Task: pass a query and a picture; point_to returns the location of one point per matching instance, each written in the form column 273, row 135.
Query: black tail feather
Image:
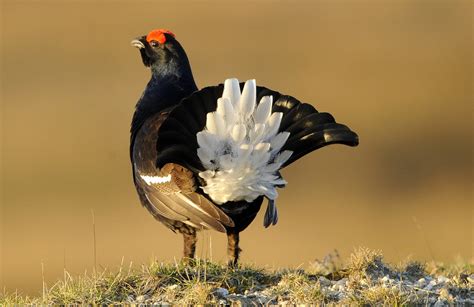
column 295, row 115
column 309, row 122
column 309, row 129
column 317, row 139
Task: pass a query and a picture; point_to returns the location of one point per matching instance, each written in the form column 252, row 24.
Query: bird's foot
column 233, row 249
column 186, row 261
column 233, row 264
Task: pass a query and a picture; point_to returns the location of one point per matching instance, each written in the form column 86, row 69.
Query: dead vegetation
column 364, row 279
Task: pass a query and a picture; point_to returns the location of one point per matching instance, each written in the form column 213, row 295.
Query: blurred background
column 399, row 73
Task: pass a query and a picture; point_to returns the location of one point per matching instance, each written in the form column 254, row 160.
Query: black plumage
column 164, row 146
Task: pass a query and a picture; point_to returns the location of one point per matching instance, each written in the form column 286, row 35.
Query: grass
column 363, row 280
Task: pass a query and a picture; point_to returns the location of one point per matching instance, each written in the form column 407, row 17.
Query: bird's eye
column 154, row 43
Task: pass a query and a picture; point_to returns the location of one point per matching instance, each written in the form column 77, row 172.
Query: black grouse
column 206, row 159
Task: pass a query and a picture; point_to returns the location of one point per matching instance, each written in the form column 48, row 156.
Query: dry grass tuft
column 295, row 287
column 366, row 263
column 382, row 296
column 364, row 280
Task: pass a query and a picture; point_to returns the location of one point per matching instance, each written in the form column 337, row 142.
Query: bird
column 206, row 159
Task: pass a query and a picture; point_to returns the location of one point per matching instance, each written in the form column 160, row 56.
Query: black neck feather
column 169, row 84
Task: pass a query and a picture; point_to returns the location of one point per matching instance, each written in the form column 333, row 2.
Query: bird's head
column 161, row 52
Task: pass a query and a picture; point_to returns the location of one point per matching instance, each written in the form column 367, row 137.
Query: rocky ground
column 364, row 279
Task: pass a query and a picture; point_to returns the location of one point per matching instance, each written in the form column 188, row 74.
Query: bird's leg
column 189, row 245
column 233, row 249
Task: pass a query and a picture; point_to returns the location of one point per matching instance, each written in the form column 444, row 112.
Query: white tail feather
column 232, row 90
column 264, row 110
column 278, row 141
column 248, row 99
column 240, row 146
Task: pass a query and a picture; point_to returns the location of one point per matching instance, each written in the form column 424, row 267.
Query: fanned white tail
column 240, row 146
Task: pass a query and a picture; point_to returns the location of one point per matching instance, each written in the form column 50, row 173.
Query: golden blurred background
column 397, row 72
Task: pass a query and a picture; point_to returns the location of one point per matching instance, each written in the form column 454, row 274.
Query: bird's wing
column 170, row 190
column 172, row 193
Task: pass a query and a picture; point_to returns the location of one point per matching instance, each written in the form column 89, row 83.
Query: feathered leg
column 189, row 245
column 233, row 249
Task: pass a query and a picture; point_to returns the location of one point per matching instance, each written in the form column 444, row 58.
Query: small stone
column 442, row 279
column 221, row 292
column 324, row 281
column 430, row 285
column 444, row 294
column 421, row 282
column 342, row 281
column 440, row 303
column 385, row 279
column 470, row 278
column 340, row 285
column 172, row 287
column 142, row 298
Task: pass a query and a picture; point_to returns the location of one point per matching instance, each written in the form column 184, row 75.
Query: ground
column 363, row 279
